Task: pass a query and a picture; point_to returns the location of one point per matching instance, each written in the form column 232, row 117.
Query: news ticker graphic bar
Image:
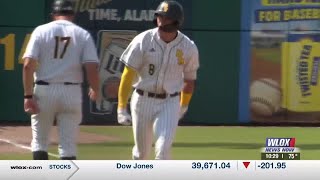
column 160, row 170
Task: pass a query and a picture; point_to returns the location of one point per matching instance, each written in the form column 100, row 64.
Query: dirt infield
column 21, row 135
column 261, row 68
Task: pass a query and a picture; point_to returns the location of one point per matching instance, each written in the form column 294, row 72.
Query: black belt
column 158, row 96
column 46, row 83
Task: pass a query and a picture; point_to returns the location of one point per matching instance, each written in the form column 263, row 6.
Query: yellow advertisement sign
column 300, row 73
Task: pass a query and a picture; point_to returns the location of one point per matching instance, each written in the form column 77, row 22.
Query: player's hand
column 93, row 95
column 183, row 110
column 124, row 117
column 31, row 106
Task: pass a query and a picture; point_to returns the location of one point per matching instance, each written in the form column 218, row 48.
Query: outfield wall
column 213, row 25
column 17, row 20
column 279, row 69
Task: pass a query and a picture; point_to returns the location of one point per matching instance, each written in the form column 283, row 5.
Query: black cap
column 172, row 10
column 63, row 7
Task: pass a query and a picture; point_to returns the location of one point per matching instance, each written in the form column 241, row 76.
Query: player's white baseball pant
column 153, row 116
column 63, row 103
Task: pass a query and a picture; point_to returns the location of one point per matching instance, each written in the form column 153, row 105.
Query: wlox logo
column 280, row 145
column 280, row 142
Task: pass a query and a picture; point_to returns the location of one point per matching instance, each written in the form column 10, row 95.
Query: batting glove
column 124, row 117
column 183, row 110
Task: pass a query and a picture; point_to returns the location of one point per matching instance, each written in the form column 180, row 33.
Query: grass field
column 203, row 143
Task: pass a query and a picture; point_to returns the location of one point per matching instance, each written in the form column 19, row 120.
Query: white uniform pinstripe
column 161, row 68
column 60, row 48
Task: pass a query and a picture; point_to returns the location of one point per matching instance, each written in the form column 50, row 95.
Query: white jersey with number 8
column 161, row 69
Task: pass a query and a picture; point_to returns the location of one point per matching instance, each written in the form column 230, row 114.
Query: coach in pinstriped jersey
column 161, row 64
column 55, row 54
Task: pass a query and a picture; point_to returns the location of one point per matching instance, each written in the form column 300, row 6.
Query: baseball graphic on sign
column 265, row 97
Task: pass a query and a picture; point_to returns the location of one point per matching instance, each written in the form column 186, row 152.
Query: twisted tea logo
column 302, row 70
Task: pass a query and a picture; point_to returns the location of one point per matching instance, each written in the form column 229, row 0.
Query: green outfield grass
column 216, row 143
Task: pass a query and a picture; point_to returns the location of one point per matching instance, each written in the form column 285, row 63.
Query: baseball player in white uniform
column 55, row 55
column 161, row 65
